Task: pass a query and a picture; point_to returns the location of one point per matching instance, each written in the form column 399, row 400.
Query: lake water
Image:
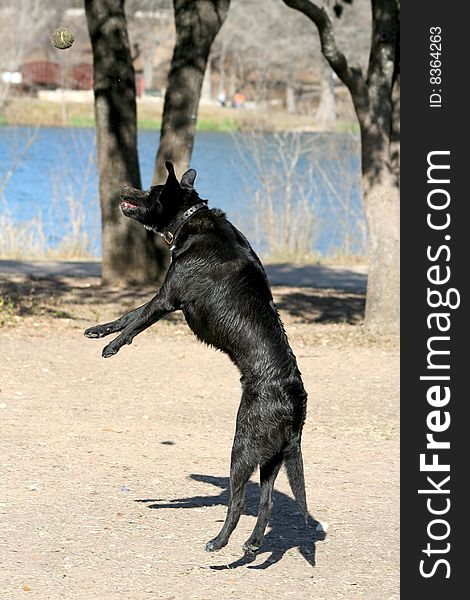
column 305, row 187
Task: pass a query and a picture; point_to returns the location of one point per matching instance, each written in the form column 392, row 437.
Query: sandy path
column 113, row 472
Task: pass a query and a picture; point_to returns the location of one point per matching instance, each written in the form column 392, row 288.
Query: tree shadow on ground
column 317, row 276
column 58, row 296
column 286, row 529
column 321, row 306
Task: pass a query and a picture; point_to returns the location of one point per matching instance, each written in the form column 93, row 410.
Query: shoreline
column 34, row 112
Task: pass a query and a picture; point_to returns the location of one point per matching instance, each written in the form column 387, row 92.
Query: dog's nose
column 129, row 192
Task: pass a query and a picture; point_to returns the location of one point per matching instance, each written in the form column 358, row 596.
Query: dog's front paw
column 113, row 347
column 96, row 332
column 110, row 350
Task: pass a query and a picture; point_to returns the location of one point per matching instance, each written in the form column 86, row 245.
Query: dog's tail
column 295, row 473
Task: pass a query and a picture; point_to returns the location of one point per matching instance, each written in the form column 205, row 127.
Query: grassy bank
column 32, row 112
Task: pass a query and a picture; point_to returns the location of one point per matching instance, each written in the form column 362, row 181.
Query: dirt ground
column 114, row 473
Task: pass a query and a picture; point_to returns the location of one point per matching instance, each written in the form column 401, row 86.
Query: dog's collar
column 169, row 232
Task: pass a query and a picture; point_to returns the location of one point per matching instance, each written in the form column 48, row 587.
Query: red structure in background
column 80, row 77
column 139, row 84
column 43, row 75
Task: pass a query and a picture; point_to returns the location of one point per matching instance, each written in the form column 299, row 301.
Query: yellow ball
column 62, row 38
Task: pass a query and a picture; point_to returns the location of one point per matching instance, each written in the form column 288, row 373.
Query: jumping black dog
column 219, row 283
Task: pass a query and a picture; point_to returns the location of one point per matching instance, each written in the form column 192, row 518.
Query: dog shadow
column 286, row 529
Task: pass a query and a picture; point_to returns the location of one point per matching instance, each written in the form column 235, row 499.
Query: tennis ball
column 62, row 38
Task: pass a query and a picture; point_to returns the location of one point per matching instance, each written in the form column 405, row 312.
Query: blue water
column 57, row 175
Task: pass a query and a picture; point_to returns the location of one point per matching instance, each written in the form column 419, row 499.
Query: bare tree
column 25, row 26
column 150, row 24
column 261, row 46
column 129, row 253
column 372, row 97
column 197, row 23
column 325, row 116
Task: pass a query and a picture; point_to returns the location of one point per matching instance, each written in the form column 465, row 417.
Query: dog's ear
column 187, row 181
column 171, row 179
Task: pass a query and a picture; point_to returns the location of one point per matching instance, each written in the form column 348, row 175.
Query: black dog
column 218, row 282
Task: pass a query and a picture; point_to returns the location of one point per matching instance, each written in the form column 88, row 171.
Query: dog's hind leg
column 242, row 466
column 295, row 473
column 268, row 474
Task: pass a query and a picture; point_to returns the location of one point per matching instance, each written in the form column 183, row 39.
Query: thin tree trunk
column 148, row 70
column 128, row 251
column 326, row 112
column 232, row 84
column 197, row 23
column 290, row 96
column 222, row 70
column 206, row 90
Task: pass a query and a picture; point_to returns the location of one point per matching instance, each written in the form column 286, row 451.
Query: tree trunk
column 206, row 90
column 372, row 98
column 379, row 137
column 290, row 97
column 325, row 116
column 222, row 70
column 233, row 79
column 148, row 70
column 382, row 209
column 129, row 254
column 381, row 201
column 197, row 23
column 381, row 204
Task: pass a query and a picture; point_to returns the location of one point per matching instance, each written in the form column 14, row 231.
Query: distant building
column 40, row 75
column 80, row 77
column 46, row 75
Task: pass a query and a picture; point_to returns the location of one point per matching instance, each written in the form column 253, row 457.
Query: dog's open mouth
column 126, row 205
column 131, row 199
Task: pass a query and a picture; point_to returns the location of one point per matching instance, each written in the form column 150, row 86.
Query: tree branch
column 351, row 76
